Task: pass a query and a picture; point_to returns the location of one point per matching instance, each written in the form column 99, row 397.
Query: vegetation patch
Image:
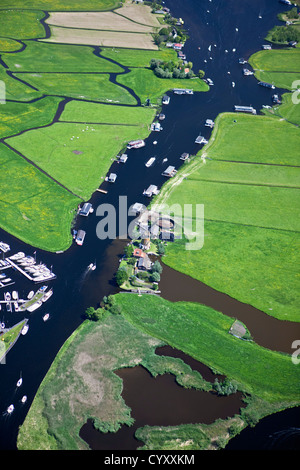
column 9, row 45
column 65, row 5
column 136, row 57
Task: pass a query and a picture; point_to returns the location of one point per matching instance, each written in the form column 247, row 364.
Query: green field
column 47, row 57
column 52, row 149
column 137, row 58
column 16, row 117
column 17, row 90
column 62, row 5
column 202, row 333
column 79, row 86
column 97, row 112
column 9, row 45
column 34, row 208
column 21, row 24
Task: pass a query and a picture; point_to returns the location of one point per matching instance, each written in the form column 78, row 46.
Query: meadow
column 21, row 24
column 94, row 87
column 137, row 58
column 52, row 149
column 46, row 57
column 24, row 190
column 62, row 5
column 17, row 117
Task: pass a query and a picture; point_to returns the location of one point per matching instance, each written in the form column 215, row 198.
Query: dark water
column 74, row 288
column 160, row 401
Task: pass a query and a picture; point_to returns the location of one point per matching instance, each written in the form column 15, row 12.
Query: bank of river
column 75, row 288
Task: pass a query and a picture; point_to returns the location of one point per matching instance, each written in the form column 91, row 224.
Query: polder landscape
column 160, row 322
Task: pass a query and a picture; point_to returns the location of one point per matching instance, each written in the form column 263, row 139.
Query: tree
column 161, row 249
column 94, row 315
column 156, row 267
column 128, row 251
column 201, row 73
column 155, row 277
column 121, row 276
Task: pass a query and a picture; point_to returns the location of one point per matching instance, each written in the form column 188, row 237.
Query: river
column 228, row 24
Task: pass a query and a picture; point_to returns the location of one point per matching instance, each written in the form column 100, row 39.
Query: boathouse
column 86, row 209
column 112, row 177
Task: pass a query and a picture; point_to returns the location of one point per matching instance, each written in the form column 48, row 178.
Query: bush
column 121, row 276
column 284, row 34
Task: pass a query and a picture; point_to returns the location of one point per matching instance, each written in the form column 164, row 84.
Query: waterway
column 226, row 25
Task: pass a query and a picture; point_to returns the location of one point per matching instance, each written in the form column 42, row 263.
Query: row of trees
column 284, row 34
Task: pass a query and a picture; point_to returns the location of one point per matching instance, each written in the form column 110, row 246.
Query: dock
column 101, row 191
column 42, row 278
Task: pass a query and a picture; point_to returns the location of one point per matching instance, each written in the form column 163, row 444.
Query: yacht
column 150, row 162
column 19, row 383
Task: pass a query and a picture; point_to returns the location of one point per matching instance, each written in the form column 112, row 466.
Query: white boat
column 19, row 383
column 24, row 330
column 92, row 266
column 35, row 306
column 10, row 409
column 233, row 84
column 8, row 279
column 7, row 296
column 14, row 295
column 16, row 305
column 46, row 317
column 150, row 162
column 47, row 295
column 135, row 144
column 24, row 399
column 30, row 295
column 2, row 325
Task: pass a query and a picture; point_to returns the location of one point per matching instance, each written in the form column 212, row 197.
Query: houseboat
column 111, row 178
column 182, row 91
column 201, row 140
column 242, row 61
column 245, row 109
column 266, row 85
column 276, row 99
column 80, row 237
column 135, row 144
column 151, row 191
column 155, row 126
column 123, row 158
column 86, row 209
column 247, row 72
column 209, row 123
column 184, row 156
column 169, row 172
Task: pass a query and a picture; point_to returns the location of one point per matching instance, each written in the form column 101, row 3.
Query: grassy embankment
column 9, row 337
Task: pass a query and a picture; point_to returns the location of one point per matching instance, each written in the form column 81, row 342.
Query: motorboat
column 150, row 162
column 7, row 296
column 24, row 330
column 15, row 295
column 20, row 381
column 46, row 317
column 30, row 295
column 24, row 399
column 10, row 409
column 47, row 295
column 16, row 305
column 35, row 306
column 92, row 266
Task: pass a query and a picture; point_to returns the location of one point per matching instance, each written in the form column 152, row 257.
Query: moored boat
column 24, row 330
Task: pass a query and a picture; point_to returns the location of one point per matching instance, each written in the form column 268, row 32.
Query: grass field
column 34, row 208
column 202, row 333
column 65, row 5
column 102, row 113
column 46, row 57
column 52, row 149
column 137, row 58
column 9, row 45
column 96, row 87
column 16, row 117
column 21, row 24
column 17, row 90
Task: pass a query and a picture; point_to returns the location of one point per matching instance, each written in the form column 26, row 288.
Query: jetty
column 39, row 272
